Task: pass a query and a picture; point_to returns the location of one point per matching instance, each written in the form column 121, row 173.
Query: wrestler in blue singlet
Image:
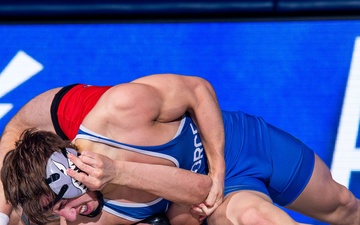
column 184, row 150
column 263, row 158
column 258, row 157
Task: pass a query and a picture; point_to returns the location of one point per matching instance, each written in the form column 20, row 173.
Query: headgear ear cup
column 60, row 183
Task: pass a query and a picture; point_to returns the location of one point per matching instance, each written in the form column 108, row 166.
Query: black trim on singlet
column 54, row 108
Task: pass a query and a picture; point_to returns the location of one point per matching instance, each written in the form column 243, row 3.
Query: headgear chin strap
column 98, row 209
column 59, row 181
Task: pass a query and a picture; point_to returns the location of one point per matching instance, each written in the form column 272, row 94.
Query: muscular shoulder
column 131, row 99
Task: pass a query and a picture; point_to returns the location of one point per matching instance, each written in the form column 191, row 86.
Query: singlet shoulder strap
column 54, row 109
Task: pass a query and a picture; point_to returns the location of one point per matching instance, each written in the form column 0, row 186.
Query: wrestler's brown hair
column 24, row 171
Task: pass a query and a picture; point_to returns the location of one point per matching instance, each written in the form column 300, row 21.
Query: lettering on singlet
column 198, row 151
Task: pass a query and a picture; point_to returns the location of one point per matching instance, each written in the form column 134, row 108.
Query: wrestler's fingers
column 212, row 203
column 201, row 218
column 200, row 209
column 89, row 157
column 207, row 211
column 92, row 183
column 79, row 176
column 215, row 195
column 196, row 209
column 85, row 162
column 93, row 159
column 79, row 162
column 85, row 166
column 211, row 199
column 89, row 154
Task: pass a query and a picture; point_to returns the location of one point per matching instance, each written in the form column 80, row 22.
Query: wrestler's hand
column 98, row 170
column 214, row 198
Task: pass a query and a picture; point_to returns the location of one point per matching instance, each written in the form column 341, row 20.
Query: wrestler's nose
column 68, row 213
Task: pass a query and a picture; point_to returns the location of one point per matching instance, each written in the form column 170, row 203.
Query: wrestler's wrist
column 217, row 172
column 4, row 219
column 120, row 175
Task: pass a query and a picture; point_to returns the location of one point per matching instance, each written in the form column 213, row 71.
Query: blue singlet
column 258, row 157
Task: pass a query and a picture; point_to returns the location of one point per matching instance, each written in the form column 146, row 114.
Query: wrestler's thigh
column 244, row 207
column 181, row 215
column 321, row 195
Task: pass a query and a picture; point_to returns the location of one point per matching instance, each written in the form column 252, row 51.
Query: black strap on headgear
column 98, row 210
column 58, row 197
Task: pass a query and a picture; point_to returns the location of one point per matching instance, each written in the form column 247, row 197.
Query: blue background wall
column 292, row 73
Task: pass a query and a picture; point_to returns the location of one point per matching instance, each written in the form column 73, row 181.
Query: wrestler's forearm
column 197, row 96
column 177, row 94
column 208, row 118
column 177, row 185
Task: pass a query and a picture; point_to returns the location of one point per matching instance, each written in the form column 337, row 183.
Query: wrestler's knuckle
column 100, row 164
column 98, row 174
column 97, row 184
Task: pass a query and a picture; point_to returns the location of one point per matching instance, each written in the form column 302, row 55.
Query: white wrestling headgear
column 59, row 181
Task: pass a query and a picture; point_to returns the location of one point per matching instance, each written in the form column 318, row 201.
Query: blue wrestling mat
column 302, row 76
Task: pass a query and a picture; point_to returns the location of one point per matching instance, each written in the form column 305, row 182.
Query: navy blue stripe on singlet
column 136, row 211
